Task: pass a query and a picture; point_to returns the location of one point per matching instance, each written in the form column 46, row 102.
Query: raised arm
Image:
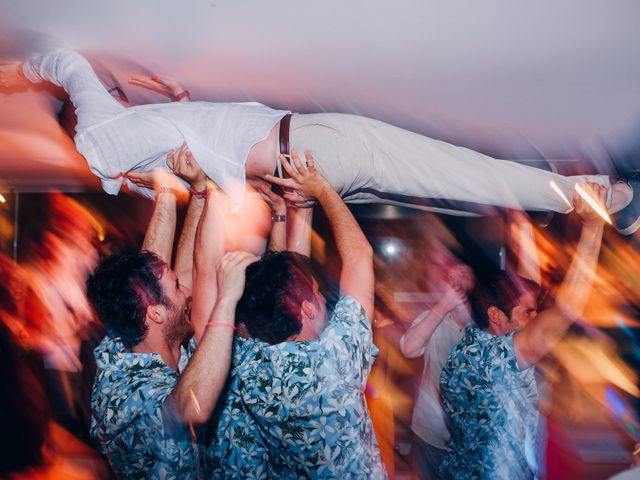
column 278, row 207
column 413, row 341
column 209, row 250
column 299, row 229
column 185, row 166
column 356, row 254
column 199, row 386
column 162, row 226
column 541, row 335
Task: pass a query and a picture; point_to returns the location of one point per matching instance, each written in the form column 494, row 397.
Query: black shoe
column 627, row 220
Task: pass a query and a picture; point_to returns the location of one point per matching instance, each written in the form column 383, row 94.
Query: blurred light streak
column 592, row 203
column 556, row 189
column 196, row 405
column 2, row 199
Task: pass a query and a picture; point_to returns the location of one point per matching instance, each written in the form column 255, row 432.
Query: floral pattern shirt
column 298, row 409
column 132, row 420
column 493, row 410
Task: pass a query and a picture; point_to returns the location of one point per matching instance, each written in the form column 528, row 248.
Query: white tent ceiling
column 514, row 79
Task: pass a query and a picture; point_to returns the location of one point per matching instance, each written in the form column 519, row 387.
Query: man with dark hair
column 488, row 387
column 280, row 283
column 152, row 384
column 296, row 405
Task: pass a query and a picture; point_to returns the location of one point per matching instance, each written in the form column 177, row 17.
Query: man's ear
column 155, row 313
column 308, row 309
column 495, row 315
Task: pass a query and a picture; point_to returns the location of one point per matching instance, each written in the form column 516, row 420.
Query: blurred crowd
column 588, row 386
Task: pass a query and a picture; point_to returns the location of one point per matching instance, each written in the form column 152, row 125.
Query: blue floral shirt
column 131, row 421
column 298, row 409
column 493, row 410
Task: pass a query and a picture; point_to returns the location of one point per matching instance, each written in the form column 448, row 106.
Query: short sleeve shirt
column 493, row 410
column 132, row 420
column 306, row 403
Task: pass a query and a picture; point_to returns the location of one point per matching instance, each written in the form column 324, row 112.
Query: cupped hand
column 155, row 180
column 182, row 163
column 231, row 274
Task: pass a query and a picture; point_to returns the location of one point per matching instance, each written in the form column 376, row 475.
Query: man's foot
column 627, row 220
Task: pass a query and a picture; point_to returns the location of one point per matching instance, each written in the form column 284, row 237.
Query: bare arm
column 199, row 386
column 278, row 235
column 356, row 277
column 299, row 234
column 209, row 249
column 418, row 335
column 162, row 226
column 541, row 335
column 185, row 166
column 166, row 86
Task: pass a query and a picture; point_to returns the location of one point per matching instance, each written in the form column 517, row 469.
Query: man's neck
column 169, row 353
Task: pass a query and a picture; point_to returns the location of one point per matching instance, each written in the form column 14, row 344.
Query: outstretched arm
column 356, row 254
column 209, row 249
column 199, row 386
column 185, row 166
column 163, row 85
column 162, row 226
column 540, row 336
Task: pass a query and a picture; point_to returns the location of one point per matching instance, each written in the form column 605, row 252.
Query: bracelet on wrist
column 278, row 218
column 180, row 96
column 199, row 193
column 220, row 324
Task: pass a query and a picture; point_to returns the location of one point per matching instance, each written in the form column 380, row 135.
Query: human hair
column 501, row 290
column 121, row 288
column 275, row 288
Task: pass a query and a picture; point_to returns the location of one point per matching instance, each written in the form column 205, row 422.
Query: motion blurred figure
column 488, row 387
column 433, row 334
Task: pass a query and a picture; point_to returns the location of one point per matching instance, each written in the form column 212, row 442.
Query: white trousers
column 367, row 161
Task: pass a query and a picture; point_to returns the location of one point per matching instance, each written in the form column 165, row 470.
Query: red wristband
column 180, row 96
column 220, row 324
column 199, row 193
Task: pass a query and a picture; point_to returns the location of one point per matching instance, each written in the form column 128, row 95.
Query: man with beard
column 153, row 388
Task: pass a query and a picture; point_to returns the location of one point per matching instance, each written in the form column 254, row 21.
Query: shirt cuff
column 111, row 186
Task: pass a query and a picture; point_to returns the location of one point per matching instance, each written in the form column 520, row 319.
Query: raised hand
column 304, row 181
column 156, row 83
column 182, row 163
column 586, row 213
column 231, row 274
column 156, row 180
column 276, row 203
